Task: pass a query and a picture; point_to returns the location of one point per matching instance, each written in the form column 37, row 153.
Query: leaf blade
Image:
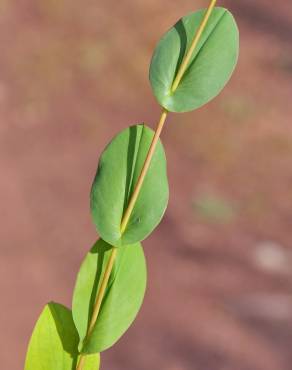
column 54, row 342
column 118, row 171
column 122, row 299
column 210, row 67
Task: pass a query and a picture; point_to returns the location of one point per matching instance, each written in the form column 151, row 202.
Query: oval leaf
column 210, row 67
column 118, row 170
column 122, row 299
column 54, row 341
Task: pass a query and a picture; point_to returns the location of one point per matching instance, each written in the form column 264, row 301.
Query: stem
column 124, row 222
column 101, row 290
column 144, row 170
column 81, row 362
column 141, row 178
column 194, row 43
column 98, row 301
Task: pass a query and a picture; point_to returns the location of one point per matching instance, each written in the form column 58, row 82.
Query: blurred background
column 72, row 75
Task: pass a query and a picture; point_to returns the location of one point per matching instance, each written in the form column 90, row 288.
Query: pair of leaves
column 122, row 299
column 57, row 336
column 54, row 342
column 119, row 168
column 118, row 171
column 210, row 67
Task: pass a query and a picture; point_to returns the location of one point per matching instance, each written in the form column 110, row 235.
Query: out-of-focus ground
column 74, row 73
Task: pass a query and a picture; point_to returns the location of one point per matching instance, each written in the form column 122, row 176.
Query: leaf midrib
column 200, row 49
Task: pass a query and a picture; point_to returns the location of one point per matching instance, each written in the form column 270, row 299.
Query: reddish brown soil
column 72, row 74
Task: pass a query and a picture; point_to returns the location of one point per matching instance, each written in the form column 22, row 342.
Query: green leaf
column 118, row 171
column 54, row 341
column 210, row 67
column 122, row 299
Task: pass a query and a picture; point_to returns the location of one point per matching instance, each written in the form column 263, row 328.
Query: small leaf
column 54, row 341
column 122, row 299
column 210, row 67
column 119, row 168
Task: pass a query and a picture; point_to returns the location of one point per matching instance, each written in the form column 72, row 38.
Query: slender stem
column 101, row 290
column 125, row 220
column 81, row 362
column 194, row 43
column 144, row 170
column 141, row 178
column 98, row 300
